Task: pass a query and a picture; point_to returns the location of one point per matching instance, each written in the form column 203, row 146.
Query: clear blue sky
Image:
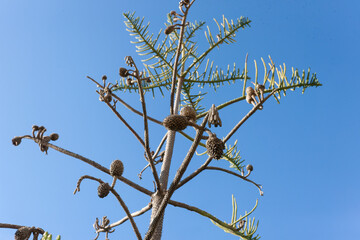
column 304, row 151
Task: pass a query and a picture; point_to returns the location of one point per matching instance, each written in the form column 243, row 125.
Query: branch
column 208, row 215
column 237, row 175
column 195, row 173
column 146, row 129
column 135, row 214
column 96, row 165
column 247, row 116
column 126, row 124
column 178, row 51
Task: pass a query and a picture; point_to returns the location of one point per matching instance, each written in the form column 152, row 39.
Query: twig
column 146, row 131
column 126, row 124
column 180, row 172
column 237, row 175
column 123, row 205
column 135, row 214
column 195, row 173
column 178, row 51
column 247, row 116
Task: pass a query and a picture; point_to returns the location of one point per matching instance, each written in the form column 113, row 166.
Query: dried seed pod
column 35, row 127
column 54, row 136
column 189, row 113
column 175, row 122
column 173, row 12
column 16, row 141
column 103, row 190
column 22, row 233
column 169, row 29
column 116, row 168
column 104, row 77
column 250, row 91
column 214, row 118
column 215, row 147
column 123, row 72
column 249, row 167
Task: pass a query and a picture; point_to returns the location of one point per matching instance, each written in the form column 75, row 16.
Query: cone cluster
column 215, row 147
column 175, row 122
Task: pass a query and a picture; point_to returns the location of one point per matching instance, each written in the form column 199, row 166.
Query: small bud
column 104, row 78
column 129, row 82
column 16, row 141
column 35, row 127
column 116, row 168
column 173, row 13
column 103, row 190
column 169, row 29
column 54, row 136
column 249, row 167
column 41, row 128
column 123, row 72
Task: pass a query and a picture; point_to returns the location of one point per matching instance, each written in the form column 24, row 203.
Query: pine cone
column 116, row 168
column 103, row 190
column 175, row 122
column 215, row 147
column 22, row 233
column 189, row 113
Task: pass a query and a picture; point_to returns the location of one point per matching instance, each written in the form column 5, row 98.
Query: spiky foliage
column 242, row 226
column 200, row 73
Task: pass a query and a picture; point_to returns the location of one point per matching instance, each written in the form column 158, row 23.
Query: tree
column 174, row 66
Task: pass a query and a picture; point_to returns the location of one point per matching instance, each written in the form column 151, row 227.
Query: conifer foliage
column 173, row 66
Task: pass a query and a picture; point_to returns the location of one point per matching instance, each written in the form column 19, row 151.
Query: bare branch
column 96, row 165
column 247, row 116
column 126, row 124
column 135, row 214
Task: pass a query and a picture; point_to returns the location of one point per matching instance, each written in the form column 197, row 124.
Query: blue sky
column 304, row 151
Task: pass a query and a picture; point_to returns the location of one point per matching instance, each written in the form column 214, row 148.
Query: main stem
column 165, row 168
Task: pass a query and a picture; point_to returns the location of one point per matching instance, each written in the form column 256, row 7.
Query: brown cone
column 175, row 122
column 116, row 168
column 103, row 190
column 215, row 147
